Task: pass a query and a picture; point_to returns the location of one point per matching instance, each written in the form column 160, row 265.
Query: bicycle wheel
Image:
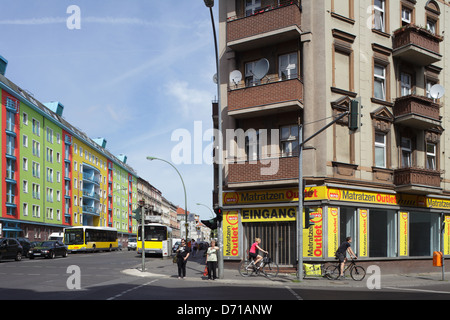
column 332, row 272
column 358, row 273
column 270, row 270
column 245, row 268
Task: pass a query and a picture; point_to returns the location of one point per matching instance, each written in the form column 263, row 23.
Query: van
column 132, row 242
column 56, row 236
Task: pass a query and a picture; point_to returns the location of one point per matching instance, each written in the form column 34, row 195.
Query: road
column 100, row 276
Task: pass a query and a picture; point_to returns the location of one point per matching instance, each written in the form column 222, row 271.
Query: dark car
column 10, row 249
column 26, row 245
column 48, row 249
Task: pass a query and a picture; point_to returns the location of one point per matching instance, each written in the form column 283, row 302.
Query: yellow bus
column 155, row 235
column 91, row 239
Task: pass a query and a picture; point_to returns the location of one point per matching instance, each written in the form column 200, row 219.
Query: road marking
column 132, row 289
column 417, row 290
column 294, row 293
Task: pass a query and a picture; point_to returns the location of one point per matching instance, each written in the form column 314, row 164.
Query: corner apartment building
column 53, row 175
column 301, row 62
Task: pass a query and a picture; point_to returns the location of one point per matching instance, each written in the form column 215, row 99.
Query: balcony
column 416, row 111
column 417, row 180
column 274, row 171
column 268, row 25
column 266, row 98
column 416, row 45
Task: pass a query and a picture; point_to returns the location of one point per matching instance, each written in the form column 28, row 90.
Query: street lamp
column 201, row 204
column 210, row 4
column 184, row 188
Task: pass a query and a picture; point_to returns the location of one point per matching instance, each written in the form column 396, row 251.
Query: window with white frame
column 380, row 150
column 405, row 84
column 250, row 79
column 406, row 16
column 379, row 82
column 406, row 146
column 288, row 66
column 251, row 6
column 379, row 15
column 289, row 140
column 431, row 25
column 431, row 156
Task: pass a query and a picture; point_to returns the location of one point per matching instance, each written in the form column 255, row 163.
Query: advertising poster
column 231, row 234
column 447, row 235
column 363, row 233
column 333, row 231
column 313, row 236
column 403, row 233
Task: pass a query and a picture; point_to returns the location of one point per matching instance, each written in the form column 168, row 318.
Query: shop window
column 382, row 233
column 424, row 233
column 347, row 226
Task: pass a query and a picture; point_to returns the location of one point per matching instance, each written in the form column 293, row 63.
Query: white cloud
column 189, row 99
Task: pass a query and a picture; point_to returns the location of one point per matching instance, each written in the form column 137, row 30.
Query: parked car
column 48, row 249
column 26, row 245
column 10, row 249
column 132, row 243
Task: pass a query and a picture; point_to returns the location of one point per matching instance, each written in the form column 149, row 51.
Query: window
column 382, row 233
column 25, row 118
column 406, row 152
column 380, row 150
column 379, row 83
column 251, row 6
column 289, row 141
column 431, row 25
column 429, row 84
column 406, row 16
column 379, row 15
column 431, row 156
column 405, row 84
column 288, row 66
column 250, row 79
column 424, row 233
column 36, row 129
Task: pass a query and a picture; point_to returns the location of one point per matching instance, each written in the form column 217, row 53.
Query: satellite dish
column 235, row 77
column 261, row 68
column 437, row 91
column 215, row 78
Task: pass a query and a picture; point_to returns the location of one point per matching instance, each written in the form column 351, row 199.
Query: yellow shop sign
column 268, row 214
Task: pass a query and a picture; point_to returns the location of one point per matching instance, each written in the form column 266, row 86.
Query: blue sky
column 135, row 72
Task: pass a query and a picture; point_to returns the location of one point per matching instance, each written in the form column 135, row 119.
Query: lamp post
column 184, row 188
column 201, row 204
column 210, row 5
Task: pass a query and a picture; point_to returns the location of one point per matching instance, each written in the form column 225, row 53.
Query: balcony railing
column 284, row 18
column 417, row 180
column 416, row 45
column 417, row 111
column 279, row 169
column 270, row 93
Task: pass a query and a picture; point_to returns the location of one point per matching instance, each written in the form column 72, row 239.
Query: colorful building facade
column 53, row 176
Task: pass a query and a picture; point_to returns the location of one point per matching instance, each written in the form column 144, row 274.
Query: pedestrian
column 183, row 252
column 341, row 255
column 194, row 247
column 211, row 260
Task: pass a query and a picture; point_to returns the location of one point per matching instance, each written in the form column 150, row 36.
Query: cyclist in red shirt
column 254, row 249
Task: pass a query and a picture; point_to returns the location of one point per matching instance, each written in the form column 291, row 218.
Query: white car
column 132, row 244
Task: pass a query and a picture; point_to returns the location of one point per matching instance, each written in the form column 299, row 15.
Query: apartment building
column 55, row 176
column 285, row 64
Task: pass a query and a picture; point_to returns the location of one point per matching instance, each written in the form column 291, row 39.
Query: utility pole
column 301, row 188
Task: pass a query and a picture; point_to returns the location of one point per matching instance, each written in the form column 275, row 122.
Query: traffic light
column 211, row 223
column 354, row 117
column 219, row 213
column 308, row 218
column 137, row 214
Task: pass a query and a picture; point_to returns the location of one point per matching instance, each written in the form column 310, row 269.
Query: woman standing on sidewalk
column 211, row 260
column 182, row 256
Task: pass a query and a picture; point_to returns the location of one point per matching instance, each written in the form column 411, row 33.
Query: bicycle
column 267, row 267
column 356, row 272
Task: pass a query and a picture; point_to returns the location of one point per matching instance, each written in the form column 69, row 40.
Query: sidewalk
column 157, row 267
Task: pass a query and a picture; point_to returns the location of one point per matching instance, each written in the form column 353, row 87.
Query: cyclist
column 341, row 255
column 254, row 249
